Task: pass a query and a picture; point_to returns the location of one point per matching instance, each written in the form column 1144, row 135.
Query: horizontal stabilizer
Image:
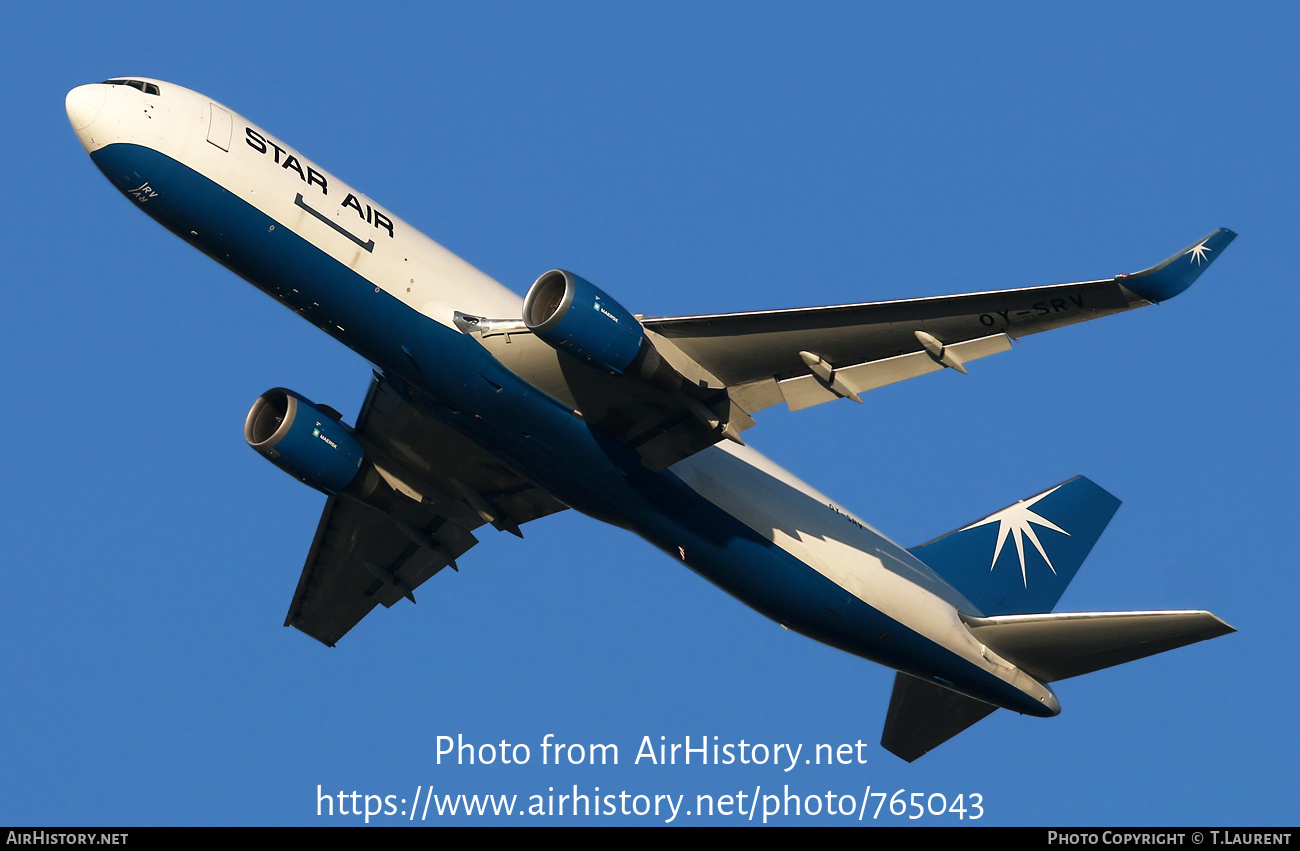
column 1180, row 271
column 1057, row 647
column 923, row 716
column 1020, row 559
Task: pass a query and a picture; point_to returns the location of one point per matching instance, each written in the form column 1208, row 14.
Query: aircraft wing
column 445, row 487
column 812, row 355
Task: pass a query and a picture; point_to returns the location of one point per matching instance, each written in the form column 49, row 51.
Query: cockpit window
column 147, row 88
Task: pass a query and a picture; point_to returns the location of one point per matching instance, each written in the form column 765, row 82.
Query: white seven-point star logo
column 1199, row 251
column 1016, row 520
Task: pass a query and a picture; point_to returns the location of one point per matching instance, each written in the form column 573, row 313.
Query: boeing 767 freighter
column 487, row 409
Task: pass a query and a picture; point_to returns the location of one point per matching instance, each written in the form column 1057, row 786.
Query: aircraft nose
column 84, row 104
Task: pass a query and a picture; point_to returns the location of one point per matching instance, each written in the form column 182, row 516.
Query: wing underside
column 808, row 356
column 733, row 365
column 362, row 556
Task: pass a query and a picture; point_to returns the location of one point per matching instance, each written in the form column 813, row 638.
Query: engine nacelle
column 573, row 315
column 304, row 441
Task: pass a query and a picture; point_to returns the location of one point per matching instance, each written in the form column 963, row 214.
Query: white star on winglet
column 1016, row 519
column 1198, row 252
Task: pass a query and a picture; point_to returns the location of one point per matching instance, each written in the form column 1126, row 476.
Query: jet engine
column 311, row 443
column 305, row 441
column 573, row 315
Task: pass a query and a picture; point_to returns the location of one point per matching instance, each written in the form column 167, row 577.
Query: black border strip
column 368, row 246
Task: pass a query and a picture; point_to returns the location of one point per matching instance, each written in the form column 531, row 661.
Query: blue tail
column 1019, row 560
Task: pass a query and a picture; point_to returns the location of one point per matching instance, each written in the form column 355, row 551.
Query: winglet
column 1176, row 274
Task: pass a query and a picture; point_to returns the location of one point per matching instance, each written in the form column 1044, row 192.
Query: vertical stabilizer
column 1019, row 560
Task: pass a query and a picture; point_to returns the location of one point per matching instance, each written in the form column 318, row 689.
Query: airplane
column 490, row 410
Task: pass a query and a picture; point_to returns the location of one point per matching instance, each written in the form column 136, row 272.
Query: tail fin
column 1053, row 533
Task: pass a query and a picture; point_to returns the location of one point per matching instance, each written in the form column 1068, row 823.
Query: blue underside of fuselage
column 455, row 380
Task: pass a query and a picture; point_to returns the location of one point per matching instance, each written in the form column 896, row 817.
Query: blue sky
column 687, row 160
